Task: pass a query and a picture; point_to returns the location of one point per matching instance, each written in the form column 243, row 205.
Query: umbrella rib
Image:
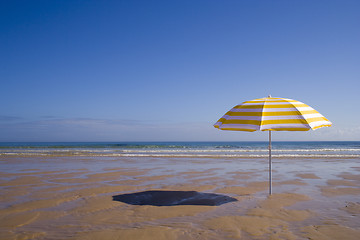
column 270, row 167
column 301, row 116
column 262, row 115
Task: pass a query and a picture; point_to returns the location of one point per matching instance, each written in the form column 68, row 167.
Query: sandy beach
column 70, row 197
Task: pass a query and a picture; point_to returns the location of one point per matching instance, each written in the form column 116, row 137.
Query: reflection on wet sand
column 150, row 198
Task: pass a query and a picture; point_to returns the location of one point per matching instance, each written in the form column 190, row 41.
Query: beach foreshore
column 72, row 197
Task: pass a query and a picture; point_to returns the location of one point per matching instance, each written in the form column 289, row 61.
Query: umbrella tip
column 269, row 96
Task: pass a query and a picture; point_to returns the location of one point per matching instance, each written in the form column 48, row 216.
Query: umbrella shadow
column 173, row 198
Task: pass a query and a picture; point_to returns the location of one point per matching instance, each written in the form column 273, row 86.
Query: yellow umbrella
column 272, row 114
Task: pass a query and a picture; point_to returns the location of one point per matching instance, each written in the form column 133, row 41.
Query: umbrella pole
column 270, row 177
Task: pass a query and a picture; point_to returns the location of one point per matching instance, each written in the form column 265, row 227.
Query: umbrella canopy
column 272, row 114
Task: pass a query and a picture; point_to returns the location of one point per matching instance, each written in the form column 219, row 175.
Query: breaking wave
column 187, row 149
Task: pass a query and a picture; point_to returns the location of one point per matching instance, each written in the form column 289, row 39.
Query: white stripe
column 285, row 103
column 314, row 115
column 305, row 108
column 271, row 103
column 248, row 104
column 246, row 110
column 287, row 109
column 280, row 126
column 319, row 123
column 282, row 117
column 246, row 126
column 275, row 99
column 279, row 110
column 258, row 118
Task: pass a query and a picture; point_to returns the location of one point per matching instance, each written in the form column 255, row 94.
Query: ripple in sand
column 328, row 232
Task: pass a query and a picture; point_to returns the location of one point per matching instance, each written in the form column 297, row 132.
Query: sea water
column 323, row 149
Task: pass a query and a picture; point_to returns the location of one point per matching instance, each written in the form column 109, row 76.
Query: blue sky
column 168, row 70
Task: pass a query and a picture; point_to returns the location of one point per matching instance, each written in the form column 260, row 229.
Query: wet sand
column 178, row 198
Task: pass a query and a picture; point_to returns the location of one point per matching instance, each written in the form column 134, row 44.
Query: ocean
column 323, row 149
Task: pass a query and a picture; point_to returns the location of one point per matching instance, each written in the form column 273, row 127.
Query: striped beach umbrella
column 272, row 114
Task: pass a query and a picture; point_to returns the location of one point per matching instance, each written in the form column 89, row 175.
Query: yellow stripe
column 221, row 120
column 248, row 106
column 270, row 106
column 236, row 121
column 310, row 120
column 293, row 121
column 259, row 114
column 287, row 129
column 255, row 114
column 284, row 121
column 278, row 100
column 325, row 125
column 238, row 129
